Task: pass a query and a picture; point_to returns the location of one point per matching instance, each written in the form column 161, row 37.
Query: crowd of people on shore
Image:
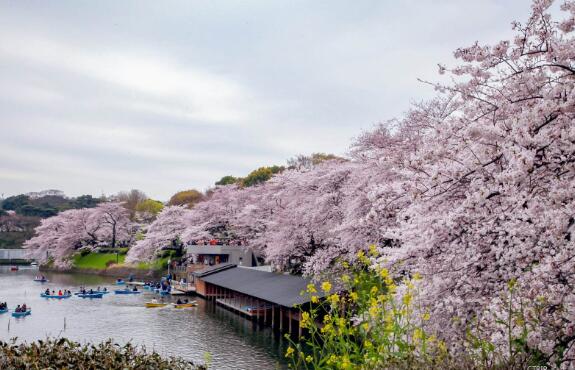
column 233, row 242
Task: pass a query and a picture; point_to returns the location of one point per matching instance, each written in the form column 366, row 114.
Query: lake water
column 232, row 341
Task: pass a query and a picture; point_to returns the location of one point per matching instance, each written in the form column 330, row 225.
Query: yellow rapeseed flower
column 327, row 329
column 314, row 299
column 345, row 363
column 289, row 351
column 417, row 334
column 407, row 299
column 326, row 286
column 373, row 311
column 305, row 320
column 417, row 276
column 311, row 288
column 365, row 326
column 308, row 359
column 334, row 299
column 354, row 297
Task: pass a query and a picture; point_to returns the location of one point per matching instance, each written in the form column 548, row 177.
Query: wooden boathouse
column 271, row 299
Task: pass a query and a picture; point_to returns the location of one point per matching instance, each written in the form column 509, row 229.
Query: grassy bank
column 159, row 264
column 98, row 261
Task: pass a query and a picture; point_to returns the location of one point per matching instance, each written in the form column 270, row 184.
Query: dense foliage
column 186, row 198
column 66, row 354
column 47, row 205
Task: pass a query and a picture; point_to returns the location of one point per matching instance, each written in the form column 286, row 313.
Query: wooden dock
column 183, row 287
column 230, row 303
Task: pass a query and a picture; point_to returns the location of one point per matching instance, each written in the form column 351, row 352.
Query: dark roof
column 276, row 288
column 213, row 269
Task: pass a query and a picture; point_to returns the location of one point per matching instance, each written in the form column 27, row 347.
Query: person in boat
column 186, row 301
column 91, row 291
column 18, row 309
column 105, row 289
column 47, row 292
column 60, row 292
column 135, row 289
column 24, row 307
column 179, row 301
column 53, row 292
column 97, row 290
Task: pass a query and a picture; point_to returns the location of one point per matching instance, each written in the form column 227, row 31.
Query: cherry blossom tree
column 58, row 237
column 170, row 224
column 488, row 186
column 473, row 190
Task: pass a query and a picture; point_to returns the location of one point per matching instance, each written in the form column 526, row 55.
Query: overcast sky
column 102, row 96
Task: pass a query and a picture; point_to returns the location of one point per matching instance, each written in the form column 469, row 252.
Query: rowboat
column 41, row 280
column 3, row 310
column 120, row 282
column 164, row 292
column 155, row 304
column 90, row 295
column 185, row 305
column 126, row 291
column 22, row 314
column 56, row 296
column 93, row 292
column 138, row 283
column 13, row 268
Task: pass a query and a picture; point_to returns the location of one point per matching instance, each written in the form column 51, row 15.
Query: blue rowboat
column 22, row 314
column 164, row 292
column 41, row 280
column 126, row 291
column 44, row 295
column 120, row 282
column 93, row 292
column 90, row 295
column 4, row 310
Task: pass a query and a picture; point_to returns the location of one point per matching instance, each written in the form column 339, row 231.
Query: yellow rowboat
column 185, row 305
column 155, row 304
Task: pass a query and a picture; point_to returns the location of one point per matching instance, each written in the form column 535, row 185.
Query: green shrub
column 85, row 251
column 66, row 354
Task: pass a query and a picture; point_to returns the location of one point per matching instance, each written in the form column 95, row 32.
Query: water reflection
column 233, row 341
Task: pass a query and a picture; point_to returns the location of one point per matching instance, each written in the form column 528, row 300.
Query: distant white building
column 44, row 193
